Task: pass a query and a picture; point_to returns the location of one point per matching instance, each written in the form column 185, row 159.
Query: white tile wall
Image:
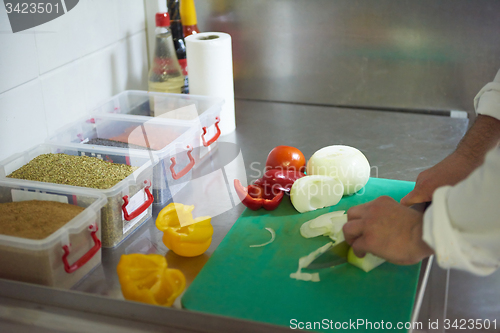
column 62, row 40
column 18, row 61
column 128, row 21
column 90, row 26
column 55, row 73
column 101, row 75
column 116, row 68
column 63, row 97
column 22, row 118
column 101, row 23
column 133, row 54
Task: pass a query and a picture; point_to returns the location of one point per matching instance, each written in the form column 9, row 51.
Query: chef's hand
column 450, row 171
column 388, row 230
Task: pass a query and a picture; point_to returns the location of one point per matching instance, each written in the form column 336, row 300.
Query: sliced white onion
column 313, row 277
column 307, row 232
column 318, row 226
column 326, row 219
column 336, row 233
column 273, row 236
column 329, row 224
column 314, row 192
column 305, row 261
column 337, row 237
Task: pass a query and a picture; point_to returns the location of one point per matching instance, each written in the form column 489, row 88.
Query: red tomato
column 286, row 157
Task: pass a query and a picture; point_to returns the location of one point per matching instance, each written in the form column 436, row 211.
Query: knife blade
column 335, row 255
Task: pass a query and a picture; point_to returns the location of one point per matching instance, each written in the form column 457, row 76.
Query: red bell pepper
column 255, row 197
column 280, row 179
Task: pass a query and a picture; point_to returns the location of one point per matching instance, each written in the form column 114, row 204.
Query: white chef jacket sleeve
column 487, row 100
column 463, row 223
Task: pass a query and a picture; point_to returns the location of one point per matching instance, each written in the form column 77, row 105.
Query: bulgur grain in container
column 57, row 259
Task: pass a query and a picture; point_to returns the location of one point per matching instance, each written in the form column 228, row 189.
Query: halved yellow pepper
column 145, row 278
column 182, row 234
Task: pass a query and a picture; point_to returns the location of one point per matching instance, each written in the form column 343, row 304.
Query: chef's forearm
column 481, row 138
column 485, row 132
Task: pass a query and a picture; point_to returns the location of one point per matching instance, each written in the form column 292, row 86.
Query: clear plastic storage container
column 202, row 112
column 129, row 203
column 172, row 142
column 64, row 257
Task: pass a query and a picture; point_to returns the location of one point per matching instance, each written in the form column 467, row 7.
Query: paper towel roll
column 210, row 66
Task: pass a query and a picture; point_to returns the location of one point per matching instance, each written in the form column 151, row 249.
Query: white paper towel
column 210, row 66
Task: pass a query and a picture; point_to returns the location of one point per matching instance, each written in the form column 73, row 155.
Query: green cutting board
column 254, row 282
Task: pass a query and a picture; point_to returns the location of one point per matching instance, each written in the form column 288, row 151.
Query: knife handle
column 421, row 206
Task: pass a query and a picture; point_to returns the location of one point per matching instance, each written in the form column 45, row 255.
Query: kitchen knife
column 421, row 207
column 337, row 253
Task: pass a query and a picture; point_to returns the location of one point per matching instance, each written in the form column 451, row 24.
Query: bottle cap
column 162, row 20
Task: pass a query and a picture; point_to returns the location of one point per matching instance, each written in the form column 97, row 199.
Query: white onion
column 314, row 192
column 344, row 163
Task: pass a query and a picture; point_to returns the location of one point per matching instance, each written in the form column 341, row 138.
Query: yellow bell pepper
column 182, row 234
column 145, row 278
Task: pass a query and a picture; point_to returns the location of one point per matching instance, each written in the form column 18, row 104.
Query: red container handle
column 139, row 209
column 216, row 136
column 86, row 257
column 186, row 168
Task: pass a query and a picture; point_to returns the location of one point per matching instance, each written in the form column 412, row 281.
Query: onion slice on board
column 273, row 236
column 305, row 261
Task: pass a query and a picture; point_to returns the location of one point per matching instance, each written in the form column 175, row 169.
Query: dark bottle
column 178, row 37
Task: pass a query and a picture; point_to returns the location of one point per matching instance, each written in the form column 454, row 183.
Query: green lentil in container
column 88, row 172
column 66, row 169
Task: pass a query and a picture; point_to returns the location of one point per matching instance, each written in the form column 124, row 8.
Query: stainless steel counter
column 406, row 55
column 398, row 146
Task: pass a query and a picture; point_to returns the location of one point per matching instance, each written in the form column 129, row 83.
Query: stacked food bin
column 162, row 136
